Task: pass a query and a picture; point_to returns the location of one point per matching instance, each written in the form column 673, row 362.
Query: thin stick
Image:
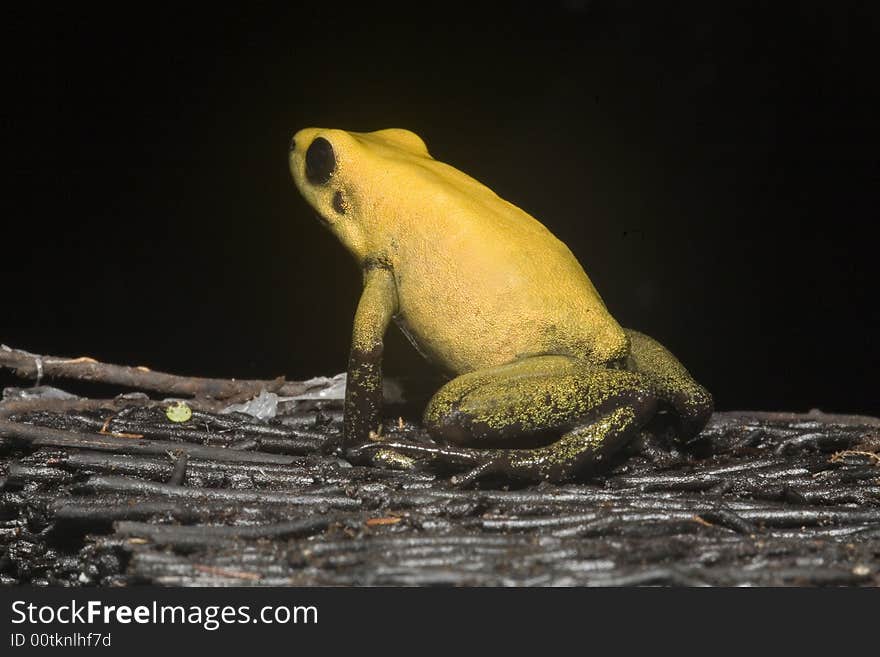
column 35, row 366
column 46, row 437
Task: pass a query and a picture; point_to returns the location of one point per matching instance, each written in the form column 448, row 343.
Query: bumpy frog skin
column 545, row 383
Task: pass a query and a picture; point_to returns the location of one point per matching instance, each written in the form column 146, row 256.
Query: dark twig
column 46, row 437
column 183, row 536
column 320, row 499
column 35, row 366
column 179, row 473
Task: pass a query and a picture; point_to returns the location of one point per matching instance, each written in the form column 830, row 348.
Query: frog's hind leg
column 582, row 449
column 691, row 402
column 596, row 411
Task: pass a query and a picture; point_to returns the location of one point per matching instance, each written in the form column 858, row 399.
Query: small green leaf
column 178, row 412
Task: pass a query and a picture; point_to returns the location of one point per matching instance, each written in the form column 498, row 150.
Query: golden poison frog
column 544, row 382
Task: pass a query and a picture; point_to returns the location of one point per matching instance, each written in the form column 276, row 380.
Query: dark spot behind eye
column 320, row 161
column 339, row 203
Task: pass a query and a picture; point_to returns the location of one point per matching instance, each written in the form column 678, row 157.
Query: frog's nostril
column 292, row 146
column 339, row 202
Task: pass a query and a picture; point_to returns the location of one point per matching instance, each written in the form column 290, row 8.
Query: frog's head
column 351, row 179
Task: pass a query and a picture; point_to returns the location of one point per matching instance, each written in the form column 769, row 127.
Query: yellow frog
column 546, row 383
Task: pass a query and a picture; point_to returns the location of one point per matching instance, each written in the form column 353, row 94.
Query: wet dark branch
column 35, row 367
column 188, row 536
column 330, row 497
column 37, row 437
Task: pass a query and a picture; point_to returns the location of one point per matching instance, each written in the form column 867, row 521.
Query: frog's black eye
column 320, row 161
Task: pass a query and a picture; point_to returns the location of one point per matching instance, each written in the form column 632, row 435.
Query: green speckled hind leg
column 578, row 451
column 596, row 411
column 692, row 402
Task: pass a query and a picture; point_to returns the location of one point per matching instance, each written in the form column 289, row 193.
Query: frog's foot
column 584, row 449
column 388, row 451
column 498, row 465
column 691, row 402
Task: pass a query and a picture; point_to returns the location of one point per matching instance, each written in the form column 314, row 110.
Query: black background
column 713, row 166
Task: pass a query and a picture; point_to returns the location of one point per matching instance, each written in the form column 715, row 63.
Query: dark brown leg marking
column 363, row 395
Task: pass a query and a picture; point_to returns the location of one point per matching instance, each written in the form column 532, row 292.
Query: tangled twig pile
column 112, row 492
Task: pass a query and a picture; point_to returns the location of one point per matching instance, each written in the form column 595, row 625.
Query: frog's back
column 481, row 282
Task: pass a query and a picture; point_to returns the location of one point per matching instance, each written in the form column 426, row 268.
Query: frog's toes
column 498, row 464
column 490, row 467
column 428, row 452
column 394, row 460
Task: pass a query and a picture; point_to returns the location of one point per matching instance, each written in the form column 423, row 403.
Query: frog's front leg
column 363, row 389
column 593, row 411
